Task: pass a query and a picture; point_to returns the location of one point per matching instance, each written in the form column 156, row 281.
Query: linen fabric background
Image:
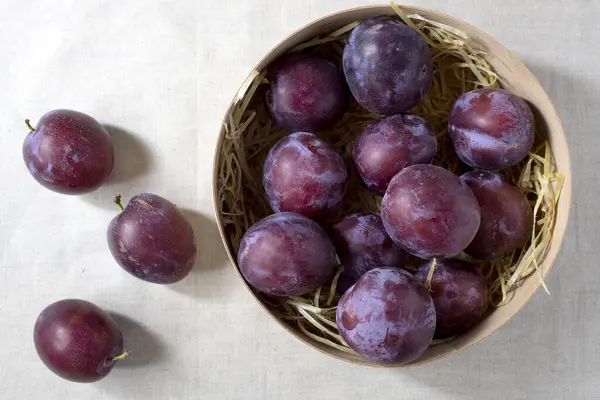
column 161, row 75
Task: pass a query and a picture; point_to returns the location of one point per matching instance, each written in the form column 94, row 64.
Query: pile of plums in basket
column 386, row 313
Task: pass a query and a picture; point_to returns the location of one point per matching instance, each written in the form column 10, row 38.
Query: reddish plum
column 491, row 128
column 152, row 240
column 387, row 316
column 68, row 152
column 77, row 340
column 390, row 144
column 430, row 212
column 387, row 65
column 506, row 216
column 362, row 244
column 304, row 174
column 459, row 292
column 286, row 254
column 306, row 93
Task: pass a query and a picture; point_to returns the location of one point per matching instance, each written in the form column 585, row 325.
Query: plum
column 506, row 216
column 387, row 316
column 430, row 212
column 306, row 93
column 286, row 254
column 387, row 65
column 363, row 244
column 152, row 239
column 77, row 340
column 459, row 292
column 491, row 128
column 390, row 144
column 303, row 174
column 68, row 152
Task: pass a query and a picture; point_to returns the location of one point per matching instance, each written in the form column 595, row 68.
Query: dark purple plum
column 304, row 174
column 68, row 152
column 491, row 128
column 286, row 254
column 460, row 294
column 77, row 340
column 430, row 212
column 387, row 316
column 306, row 93
column 152, row 240
column 387, row 65
column 506, row 216
column 390, row 144
column 362, row 244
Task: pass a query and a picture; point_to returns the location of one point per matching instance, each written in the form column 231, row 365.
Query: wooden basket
column 517, row 79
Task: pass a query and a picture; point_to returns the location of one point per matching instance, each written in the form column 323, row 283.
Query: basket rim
column 565, row 197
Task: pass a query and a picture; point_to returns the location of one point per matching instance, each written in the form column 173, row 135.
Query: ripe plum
column 303, row 174
column 506, row 216
column 387, row 316
column 491, row 128
column 459, row 292
column 306, row 93
column 286, row 254
column 430, row 212
column 68, row 152
column 387, row 65
column 390, row 144
column 77, row 340
column 152, row 240
column 362, row 244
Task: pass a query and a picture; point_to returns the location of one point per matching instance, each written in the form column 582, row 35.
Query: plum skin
column 362, row 244
column 459, row 292
column 286, row 254
column 306, row 93
column 77, row 340
column 388, row 66
column 152, row 240
column 506, row 216
column 387, row 316
column 430, row 212
column 69, row 152
column 303, row 174
column 390, row 144
column 491, row 128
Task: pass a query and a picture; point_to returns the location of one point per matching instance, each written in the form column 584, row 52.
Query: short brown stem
column 122, row 356
column 28, row 123
column 117, row 201
column 430, row 274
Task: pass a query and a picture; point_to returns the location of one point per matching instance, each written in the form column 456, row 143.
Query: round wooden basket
column 517, row 79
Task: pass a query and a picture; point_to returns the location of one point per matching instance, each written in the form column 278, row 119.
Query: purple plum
column 306, row 93
column 387, row 316
column 303, row 174
column 152, row 240
column 77, row 340
column 390, row 144
column 430, row 212
column 286, row 254
column 491, row 128
column 68, row 152
column 388, row 65
column 362, row 244
column 459, row 292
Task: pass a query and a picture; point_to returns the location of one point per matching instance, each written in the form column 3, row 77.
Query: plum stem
column 430, row 274
column 122, row 356
column 117, row 201
column 28, row 123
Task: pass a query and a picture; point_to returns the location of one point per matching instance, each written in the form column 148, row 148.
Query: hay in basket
column 458, row 68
